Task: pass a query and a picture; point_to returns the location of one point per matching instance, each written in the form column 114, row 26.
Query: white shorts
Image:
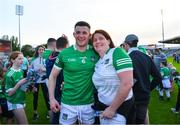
column 116, row 120
column 70, row 114
column 12, row 106
column 166, row 83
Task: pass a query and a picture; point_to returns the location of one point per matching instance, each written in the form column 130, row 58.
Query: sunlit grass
column 159, row 111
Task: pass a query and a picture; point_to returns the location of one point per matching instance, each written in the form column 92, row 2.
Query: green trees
column 15, row 43
column 27, row 50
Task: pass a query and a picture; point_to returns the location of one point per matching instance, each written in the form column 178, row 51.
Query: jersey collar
column 74, row 46
column 16, row 70
column 132, row 49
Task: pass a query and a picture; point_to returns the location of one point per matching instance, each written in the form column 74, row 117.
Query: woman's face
column 40, row 50
column 100, row 43
column 18, row 61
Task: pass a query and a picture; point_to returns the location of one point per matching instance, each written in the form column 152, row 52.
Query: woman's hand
column 108, row 113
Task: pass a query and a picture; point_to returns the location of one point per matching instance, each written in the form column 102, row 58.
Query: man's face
column 82, row 35
column 126, row 47
column 52, row 45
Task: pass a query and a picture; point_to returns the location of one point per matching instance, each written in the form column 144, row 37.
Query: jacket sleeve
column 156, row 76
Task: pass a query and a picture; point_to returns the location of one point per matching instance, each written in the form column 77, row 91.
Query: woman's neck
column 15, row 67
column 103, row 52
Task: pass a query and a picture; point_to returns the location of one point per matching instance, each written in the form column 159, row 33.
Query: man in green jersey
column 51, row 46
column 78, row 63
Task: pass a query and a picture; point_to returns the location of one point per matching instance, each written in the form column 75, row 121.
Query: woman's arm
column 126, row 79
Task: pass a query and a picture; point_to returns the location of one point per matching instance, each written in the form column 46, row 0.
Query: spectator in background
column 51, row 46
column 3, row 101
column 159, row 57
column 38, row 65
column 25, row 66
column 174, row 57
column 1, row 62
column 7, row 63
column 172, row 71
column 165, row 73
column 61, row 43
column 177, row 81
column 178, row 58
column 143, row 68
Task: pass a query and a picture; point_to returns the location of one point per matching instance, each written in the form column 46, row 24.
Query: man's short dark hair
column 50, row 40
column 82, row 23
column 61, row 42
column 132, row 43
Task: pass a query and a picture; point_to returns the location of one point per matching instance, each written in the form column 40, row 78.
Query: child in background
column 172, row 71
column 165, row 73
column 38, row 65
column 177, row 81
column 3, row 102
column 16, row 97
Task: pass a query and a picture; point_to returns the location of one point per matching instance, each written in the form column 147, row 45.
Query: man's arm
column 157, row 78
column 51, row 88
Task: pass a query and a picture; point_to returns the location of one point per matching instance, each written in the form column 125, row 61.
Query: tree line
column 26, row 49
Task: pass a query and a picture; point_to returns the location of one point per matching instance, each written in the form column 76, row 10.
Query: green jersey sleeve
column 121, row 60
column 59, row 62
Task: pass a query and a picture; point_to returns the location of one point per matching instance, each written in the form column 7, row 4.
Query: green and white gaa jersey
column 165, row 72
column 78, row 68
column 12, row 77
column 105, row 77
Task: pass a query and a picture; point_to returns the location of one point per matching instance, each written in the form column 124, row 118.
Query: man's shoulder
column 139, row 55
column 67, row 50
column 138, row 52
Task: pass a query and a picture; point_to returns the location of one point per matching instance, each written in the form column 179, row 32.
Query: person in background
column 143, row 67
column 16, row 97
column 159, row 57
column 38, row 65
column 177, row 81
column 113, row 79
column 61, row 43
column 25, row 66
column 165, row 73
column 77, row 62
column 51, row 46
column 7, row 63
column 1, row 62
column 3, row 101
column 172, row 70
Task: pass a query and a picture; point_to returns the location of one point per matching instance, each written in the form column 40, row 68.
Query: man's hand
column 54, row 105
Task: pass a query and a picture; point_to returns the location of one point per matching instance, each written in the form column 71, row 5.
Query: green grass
column 159, row 111
column 42, row 110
